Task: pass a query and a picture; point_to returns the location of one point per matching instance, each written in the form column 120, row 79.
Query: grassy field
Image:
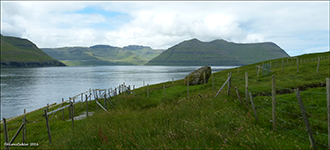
column 176, row 121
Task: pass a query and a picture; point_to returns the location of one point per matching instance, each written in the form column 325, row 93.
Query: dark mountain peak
column 101, row 46
column 195, row 40
column 135, row 47
column 220, row 41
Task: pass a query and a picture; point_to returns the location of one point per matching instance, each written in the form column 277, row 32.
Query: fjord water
column 32, row 88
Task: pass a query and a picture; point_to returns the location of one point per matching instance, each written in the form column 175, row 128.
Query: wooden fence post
column 5, row 131
column 97, row 106
column 82, row 100
column 282, row 66
column 133, row 90
column 239, row 98
column 147, row 90
column 70, row 109
column 257, row 71
column 222, row 87
column 49, row 136
column 72, row 117
column 253, row 108
column 297, row 65
column 304, row 115
column 144, row 89
column 318, row 64
column 212, row 82
column 86, row 105
column 274, row 102
column 73, row 108
column 62, row 110
column 229, row 83
column 188, row 87
column 246, row 89
column 328, row 105
column 105, row 101
column 24, row 133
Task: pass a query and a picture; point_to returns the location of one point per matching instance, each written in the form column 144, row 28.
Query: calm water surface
column 32, row 88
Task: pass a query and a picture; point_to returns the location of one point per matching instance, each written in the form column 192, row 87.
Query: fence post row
column 304, row 115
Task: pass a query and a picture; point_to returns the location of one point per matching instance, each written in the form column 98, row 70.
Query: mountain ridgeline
column 18, row 52
column 103, row 55
column 217, row 53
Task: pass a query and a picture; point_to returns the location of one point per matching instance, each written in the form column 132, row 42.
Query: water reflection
column 32, row 88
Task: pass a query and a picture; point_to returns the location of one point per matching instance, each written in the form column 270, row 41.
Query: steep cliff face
column 17, row 52
column 218, row 53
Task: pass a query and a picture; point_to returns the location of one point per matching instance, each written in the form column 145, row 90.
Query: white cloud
column 164, row 24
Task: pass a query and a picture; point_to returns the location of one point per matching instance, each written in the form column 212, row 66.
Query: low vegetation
column 203, row 122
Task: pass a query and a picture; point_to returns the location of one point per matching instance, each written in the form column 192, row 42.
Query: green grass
column 195, row 123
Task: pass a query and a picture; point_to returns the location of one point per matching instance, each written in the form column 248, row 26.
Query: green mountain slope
column 103, row 55
column 217, row 53
column 17, row 52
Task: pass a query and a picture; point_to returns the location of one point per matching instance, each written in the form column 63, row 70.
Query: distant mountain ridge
column 217, row 53
column 18, row 52
column 103, row 55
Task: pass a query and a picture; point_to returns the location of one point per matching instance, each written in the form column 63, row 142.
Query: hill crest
column 218, row 53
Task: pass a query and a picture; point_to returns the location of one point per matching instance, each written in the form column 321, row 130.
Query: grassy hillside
column 17, row 52
column 217, row 53
column 103, row 55
column 178, row 122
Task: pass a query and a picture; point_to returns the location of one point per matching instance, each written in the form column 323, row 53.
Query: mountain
column 18, row 52
column 217, row 53
column 103, row 55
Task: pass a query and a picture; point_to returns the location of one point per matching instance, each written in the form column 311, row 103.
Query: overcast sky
column 297, row 27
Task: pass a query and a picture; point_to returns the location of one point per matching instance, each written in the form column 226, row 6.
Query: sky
column 298, row 27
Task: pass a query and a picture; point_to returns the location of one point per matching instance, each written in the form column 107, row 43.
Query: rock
column 197, row 76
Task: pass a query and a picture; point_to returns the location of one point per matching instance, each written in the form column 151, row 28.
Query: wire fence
column 288, row 113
